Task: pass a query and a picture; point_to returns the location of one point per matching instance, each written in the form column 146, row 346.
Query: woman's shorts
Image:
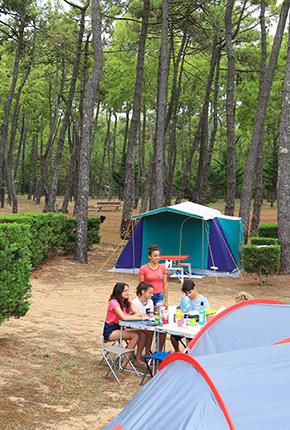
column 108, row 330
column 158, row 299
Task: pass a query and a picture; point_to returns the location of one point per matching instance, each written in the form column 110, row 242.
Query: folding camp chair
column 156, row 358
column 113, row 355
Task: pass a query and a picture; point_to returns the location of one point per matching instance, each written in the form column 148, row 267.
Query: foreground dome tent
column 211, row 240
column 241, row 390
column 247, row 324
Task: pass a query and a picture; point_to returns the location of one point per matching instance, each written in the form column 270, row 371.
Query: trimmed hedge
column 52, row 231
column 268, row 230
column 264, row 241
column 15, row 270
column 264, row 260
column 69, row 244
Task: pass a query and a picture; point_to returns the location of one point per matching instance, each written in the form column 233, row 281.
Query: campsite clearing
column 49, row 378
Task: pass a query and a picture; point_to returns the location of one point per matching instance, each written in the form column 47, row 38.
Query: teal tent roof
column 188, row 209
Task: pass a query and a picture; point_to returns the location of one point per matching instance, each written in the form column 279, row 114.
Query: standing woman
column 120, row 308
column 155, row 274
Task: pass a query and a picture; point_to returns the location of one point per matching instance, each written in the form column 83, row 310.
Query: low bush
column 70, row 229
column 15, row 270
column 264, row 241
column 268, row 230
column 52, row 231
column 264, row 260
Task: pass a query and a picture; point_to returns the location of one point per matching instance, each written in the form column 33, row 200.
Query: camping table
column 175, row 267
column 172, row 329
column 141, row 325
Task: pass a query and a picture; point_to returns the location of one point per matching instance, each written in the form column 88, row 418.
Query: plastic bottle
column 179, row 316
column 202, row 318
column 165, row 316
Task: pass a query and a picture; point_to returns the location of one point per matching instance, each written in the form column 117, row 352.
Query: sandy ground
column 49, row 377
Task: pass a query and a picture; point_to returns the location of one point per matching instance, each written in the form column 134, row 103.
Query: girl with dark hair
column 144, row 304
column 120, row 308
column 156, row 275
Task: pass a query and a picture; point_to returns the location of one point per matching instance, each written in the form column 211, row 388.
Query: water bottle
column 202, row 318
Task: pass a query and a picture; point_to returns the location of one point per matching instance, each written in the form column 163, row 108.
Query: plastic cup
column 192, row 322
column 179, row 323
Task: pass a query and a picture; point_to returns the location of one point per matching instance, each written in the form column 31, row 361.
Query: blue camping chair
column 153, row 359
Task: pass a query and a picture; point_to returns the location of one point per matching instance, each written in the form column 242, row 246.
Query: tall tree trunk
column 264, row 94
column 49, row 206
column 129, row 185
column 201, row 182
column 22, row 181
column 157, row 191
column 113, row 166
column 230, row 111
column 260, row 157
column 172, row 109
column 283, row 183
column 101, row 189
column 8, row 103
column 22, row 138
column 33, row 167
column 73, row 173
column 86, row 141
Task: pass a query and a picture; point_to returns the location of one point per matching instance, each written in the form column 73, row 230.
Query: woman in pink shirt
column 120, row 308
column 155, row 274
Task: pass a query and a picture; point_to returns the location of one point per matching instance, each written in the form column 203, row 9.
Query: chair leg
column 111, row 364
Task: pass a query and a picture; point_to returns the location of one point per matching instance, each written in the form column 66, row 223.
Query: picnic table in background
column 104, row 206
column 176, row 266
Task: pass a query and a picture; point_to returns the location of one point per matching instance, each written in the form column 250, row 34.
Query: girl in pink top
column 120, row 308
column 155, row 274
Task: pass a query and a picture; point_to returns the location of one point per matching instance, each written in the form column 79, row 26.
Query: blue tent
column 241, row 390
column 245, row 325
column 212, row 240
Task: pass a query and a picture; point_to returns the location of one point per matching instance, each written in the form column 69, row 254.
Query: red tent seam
column 187, row 358
column 228, row 310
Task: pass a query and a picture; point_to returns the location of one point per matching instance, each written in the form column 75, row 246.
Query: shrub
column 15, row 270
column 52, row 231
column 70, row 228
column 268, row 230
column 264, row 260
column 47, row 232
column 264, row 241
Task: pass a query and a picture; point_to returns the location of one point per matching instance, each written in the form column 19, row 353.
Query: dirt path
column 48, row 373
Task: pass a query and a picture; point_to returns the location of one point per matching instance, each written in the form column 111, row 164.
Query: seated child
column 143, row 303
column 192, row 298
column 190, row 301
column 120, row 308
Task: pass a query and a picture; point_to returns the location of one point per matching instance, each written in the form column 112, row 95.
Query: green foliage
column 52, row 231
column 264, row 241
column 268, row 230
column 70, row 229
column 15, row 270
column 264, row 260
column 46, row 231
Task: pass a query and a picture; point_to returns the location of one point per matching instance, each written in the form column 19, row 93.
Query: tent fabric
column 131, row 255
column 204, row 234
column 253, row 384
column 218, row 252
column 176, row 398
column 186, row 208
column 248, row 324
